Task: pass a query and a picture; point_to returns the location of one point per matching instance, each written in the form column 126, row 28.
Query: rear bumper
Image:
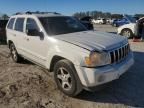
column 91, row 77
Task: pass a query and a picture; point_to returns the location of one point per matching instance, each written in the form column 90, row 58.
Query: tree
column 116, row 16
column 139, row 15
column 5, row 16
column 93, row 14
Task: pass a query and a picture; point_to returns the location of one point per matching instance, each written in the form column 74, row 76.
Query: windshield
column 61, row 25
column 130, row 18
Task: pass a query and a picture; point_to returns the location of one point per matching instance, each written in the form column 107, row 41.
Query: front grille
column 119, row 54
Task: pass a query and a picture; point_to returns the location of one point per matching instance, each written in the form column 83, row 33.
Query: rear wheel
column 100, row 23
column 127, row 33
column 15, row 57
column 66, row 78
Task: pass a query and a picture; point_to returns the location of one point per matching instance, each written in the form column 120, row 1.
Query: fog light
column 101, row 78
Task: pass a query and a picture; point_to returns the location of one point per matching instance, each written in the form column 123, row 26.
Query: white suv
column 80, row 59
column 99, row 21
column 133, row 29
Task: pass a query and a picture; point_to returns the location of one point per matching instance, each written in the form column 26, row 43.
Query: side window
column 19, row 24
column 10, row 24
column 31, row 25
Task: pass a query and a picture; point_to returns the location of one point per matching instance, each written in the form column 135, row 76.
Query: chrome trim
column 119, row 54
column 125, row 50
column 114, row 55
column 109, row 57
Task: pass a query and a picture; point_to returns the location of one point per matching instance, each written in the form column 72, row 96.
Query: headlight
column 97, row 59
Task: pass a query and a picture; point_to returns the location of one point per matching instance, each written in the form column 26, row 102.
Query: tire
column 66, row 78
column 127, row 33
column 15, row 56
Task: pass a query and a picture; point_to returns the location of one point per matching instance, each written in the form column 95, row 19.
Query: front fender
column 130, row 26
column 70, row 52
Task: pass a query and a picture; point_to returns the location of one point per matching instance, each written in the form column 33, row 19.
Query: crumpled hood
column 94, row 40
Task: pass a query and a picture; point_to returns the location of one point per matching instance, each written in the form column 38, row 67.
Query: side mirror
column 34, row 32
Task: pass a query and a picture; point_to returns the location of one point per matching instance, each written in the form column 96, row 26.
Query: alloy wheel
column 126, row 33
column 64, row 78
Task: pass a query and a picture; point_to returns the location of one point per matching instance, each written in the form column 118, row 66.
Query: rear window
column 19, row 24
column 11, row 22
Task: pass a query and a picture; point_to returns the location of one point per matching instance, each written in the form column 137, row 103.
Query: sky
column 68, row 7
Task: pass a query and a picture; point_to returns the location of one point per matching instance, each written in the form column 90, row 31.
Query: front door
column 35, row 46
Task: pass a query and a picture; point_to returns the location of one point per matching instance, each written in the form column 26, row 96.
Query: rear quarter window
column 10, row 24
column 19, row 24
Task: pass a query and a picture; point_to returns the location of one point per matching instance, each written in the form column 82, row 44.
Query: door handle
column 27, row 39
column 14, row 35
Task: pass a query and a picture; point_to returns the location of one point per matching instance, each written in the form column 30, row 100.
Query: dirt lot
column 26, row 85
column 105, row 28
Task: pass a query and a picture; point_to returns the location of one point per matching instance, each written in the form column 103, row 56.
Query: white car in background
column 99, row 21
column 132, row 29
column 109, row 21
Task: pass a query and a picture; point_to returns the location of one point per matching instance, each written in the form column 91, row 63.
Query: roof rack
column 18, row 13
column 37, row 12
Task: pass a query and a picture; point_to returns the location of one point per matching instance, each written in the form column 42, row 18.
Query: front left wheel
column 66, row 78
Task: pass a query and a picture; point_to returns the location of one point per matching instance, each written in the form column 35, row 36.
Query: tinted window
column 19, row 24
column 11, row 22
column 61, row 25
column 130, row 18
column 31, row 24
column 86, row 19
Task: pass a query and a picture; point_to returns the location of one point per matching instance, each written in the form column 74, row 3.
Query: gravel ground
column 105, row 28
column 26, row 85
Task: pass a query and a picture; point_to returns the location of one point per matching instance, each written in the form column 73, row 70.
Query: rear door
column 19, row 34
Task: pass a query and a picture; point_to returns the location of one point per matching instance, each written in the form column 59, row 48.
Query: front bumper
column 91, row 77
